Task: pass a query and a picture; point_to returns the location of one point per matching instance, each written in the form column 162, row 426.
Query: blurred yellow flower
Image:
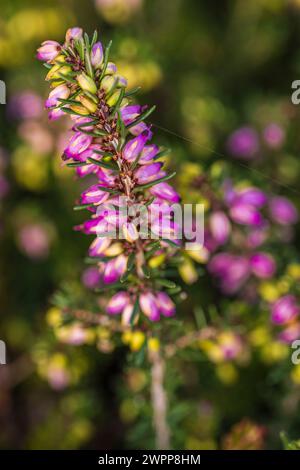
column 227, row 373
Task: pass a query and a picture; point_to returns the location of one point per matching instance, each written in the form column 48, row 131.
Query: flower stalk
column 111, row 141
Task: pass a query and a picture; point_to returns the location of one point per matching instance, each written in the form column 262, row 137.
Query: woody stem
column 159, row 401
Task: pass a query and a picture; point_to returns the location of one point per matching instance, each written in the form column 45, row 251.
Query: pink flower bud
column 130, row 232
column 262, row 265
column 61, row 91
column 97, row 55
column 220, row 227
column 166, row 305
column 283, row 211
column 148, row 153
column 55, row 114
column 48, row 51
column 165, row 191
column 149, row 306
column 148, row 173
column 98, row 246
column 134, row 147
column 111, row 68
column 290, row 333
column 73, row 33
column 114, row 269
column 253, row 196
column 284, row 310
column 94, row 195
column 78, row 144
column 245, row 214
column 117, row 303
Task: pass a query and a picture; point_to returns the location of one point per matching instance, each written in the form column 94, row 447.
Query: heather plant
column 132, row 248
column 138, row 255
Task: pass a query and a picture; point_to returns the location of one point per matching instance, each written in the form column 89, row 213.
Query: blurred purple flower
column 220, row 227
column 274, row 136
column 243, row 143
column 262, row 265
column 25, row 105
column 284, row 310
column 283, row 211
column 231, row 270
column 91, row 277
column 34, row 241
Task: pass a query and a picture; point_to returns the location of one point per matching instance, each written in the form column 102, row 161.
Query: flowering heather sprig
column 112, row 141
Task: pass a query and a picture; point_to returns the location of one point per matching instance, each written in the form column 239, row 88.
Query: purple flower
column 284, row 310
column 148, row 173
column 134, row 147
column 91, row 277
column 94, row 195
column 55, row 114
column 262, row 265
column 149, row 306
column 73, row 33
column 257, row 237
column 114, row 269
column 148, row 153
column 131, row 113
column 245, row 214
column 220, row 227
column 290, row 333
column 61, row 91
column 274, row 136
column 232, row 271
column 25, row 105
column 252, row 196
column 165, row 304
column 48, row 51
column 117, row 303
column 78, row 144
column 243, row 143
column 283, row 211
column 165, row 191
column 34, row 241
column 98, row 246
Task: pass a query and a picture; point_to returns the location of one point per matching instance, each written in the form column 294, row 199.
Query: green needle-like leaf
column 141, row 117
column 152, row 183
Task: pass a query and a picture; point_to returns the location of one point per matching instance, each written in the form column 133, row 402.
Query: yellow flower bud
column 108, row 83
column 268, row 291
column 79, row 109
column 227, row 373
column 126, row 336
column 200, row 254
column 188, row 272
column 87, row 83
column 294, row 270
column 295, row 374
column 114, row 249
column 88, row 103
column 57, row 70
column 153, row 344
column 259, row 336
column 274, row 352
column 137, row 341
column 114, row 98
column 53, row 317
column 157, row 261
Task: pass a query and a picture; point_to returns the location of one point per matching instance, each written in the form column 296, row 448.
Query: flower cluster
column 111, row 142
column 242, row 221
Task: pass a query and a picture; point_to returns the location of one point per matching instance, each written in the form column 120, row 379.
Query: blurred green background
column 211, row 67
